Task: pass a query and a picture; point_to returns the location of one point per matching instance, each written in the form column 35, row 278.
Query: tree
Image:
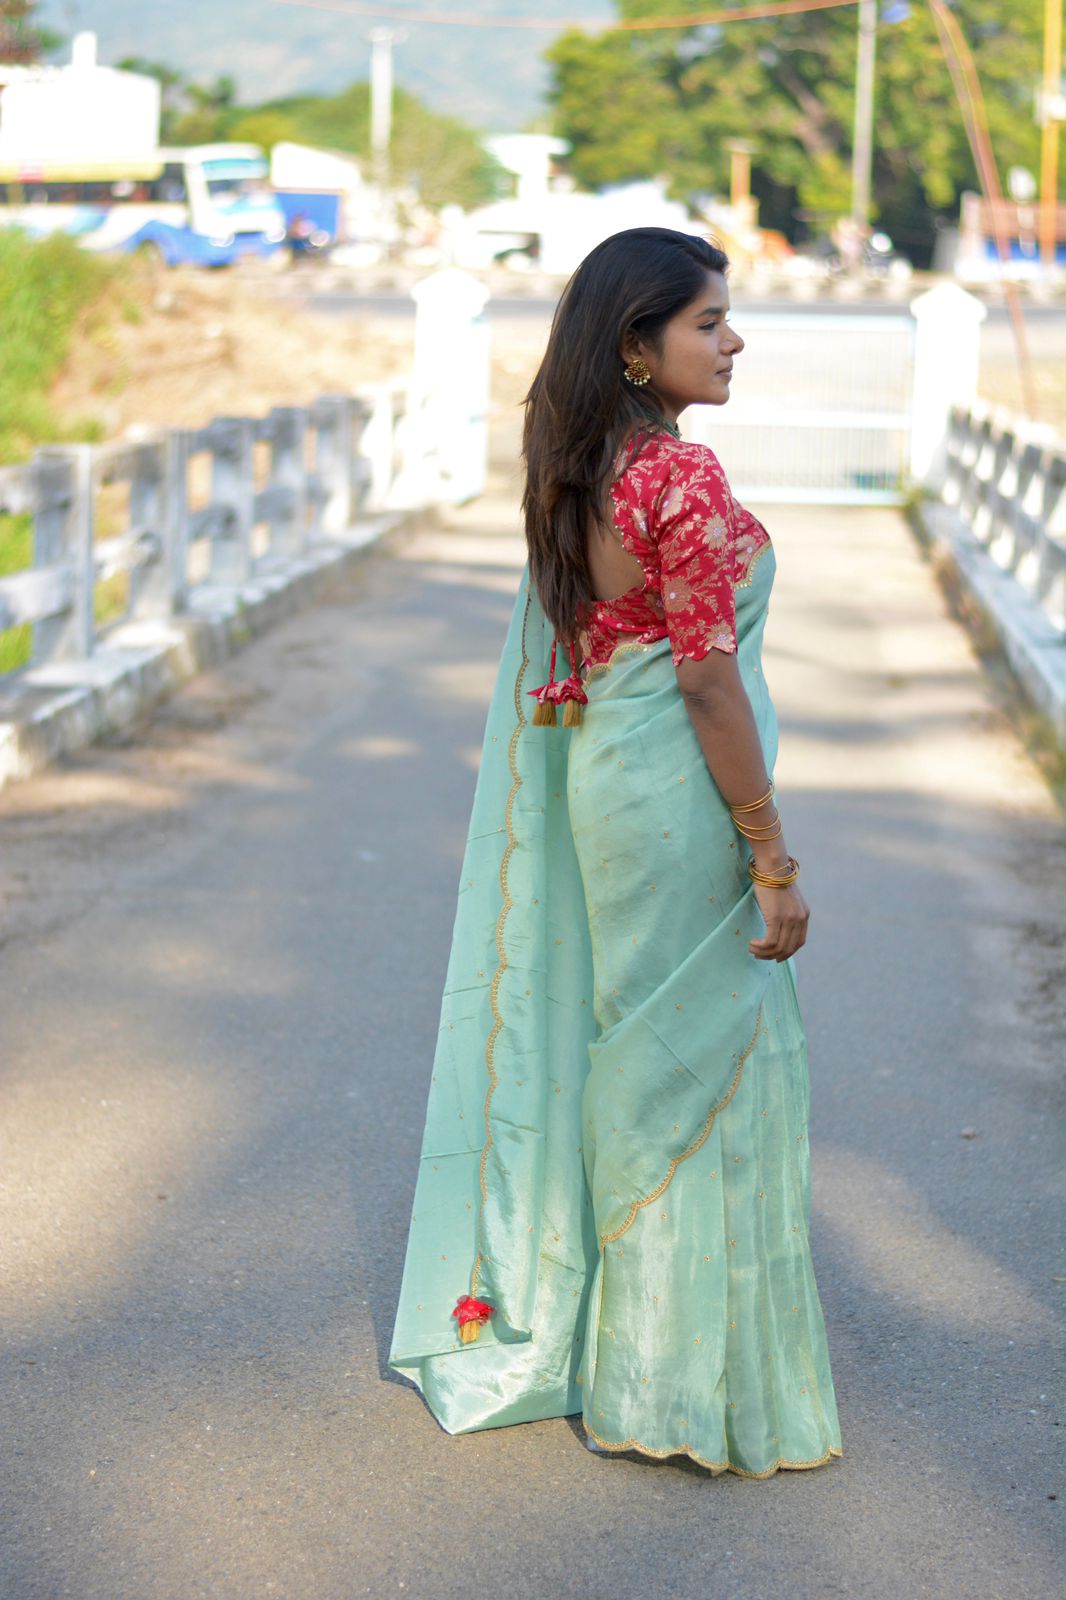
column 637, row 104
column 438, row 156
column 22, row 40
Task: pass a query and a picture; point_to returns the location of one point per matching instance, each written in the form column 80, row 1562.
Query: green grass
column 16, row 553
column 46, row 287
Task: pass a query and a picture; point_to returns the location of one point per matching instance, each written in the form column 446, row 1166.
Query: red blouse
column 674, row 511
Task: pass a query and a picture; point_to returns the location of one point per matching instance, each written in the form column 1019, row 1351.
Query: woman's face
column 698, row 346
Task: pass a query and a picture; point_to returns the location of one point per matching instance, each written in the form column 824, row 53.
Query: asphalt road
column 223, row 946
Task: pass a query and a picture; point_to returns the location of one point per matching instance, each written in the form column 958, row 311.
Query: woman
column 613, row 1196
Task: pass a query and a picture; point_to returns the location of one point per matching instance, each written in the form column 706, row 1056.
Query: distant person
column 299, row 234
column 611, row 1213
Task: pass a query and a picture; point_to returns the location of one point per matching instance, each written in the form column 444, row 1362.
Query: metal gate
column 821, row 408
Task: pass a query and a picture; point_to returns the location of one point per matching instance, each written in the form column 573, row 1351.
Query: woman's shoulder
column 666, row 473
column 662, row 459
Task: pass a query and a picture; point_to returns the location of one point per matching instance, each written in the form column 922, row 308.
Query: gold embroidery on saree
column 501, row 949
column 619, row 650
column 715, row 1466
column 745, row 581
column 606, row 1238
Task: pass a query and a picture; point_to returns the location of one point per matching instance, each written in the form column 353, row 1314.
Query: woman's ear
column 630, row 347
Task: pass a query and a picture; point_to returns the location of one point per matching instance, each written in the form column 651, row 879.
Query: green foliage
column 264, row 128
column 16, row 554
column 439, row 156
column 21, row 39
column 636, row 105
column 45, row 285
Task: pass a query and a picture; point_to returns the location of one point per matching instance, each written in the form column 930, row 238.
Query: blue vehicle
column 205, row 204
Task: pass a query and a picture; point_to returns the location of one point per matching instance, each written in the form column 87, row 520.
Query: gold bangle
column 747, row 821
column 767, row 882
column 771, row 880
column 755, row 804
column 758, row 832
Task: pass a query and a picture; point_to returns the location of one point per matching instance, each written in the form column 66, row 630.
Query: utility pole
column 863, row 142
column 1050, row 115
column 381, row 43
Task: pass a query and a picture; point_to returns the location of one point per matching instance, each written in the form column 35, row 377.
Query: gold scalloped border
column 626, row 648
column 606, row 1238
column 760, row 550
column 501, row 920
column 716, row 1467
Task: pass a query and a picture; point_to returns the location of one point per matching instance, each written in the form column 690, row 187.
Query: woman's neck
column 662, row 422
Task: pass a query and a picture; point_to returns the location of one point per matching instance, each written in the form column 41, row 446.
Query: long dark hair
column 580, row 409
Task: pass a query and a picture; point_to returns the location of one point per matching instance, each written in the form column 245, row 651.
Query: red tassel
column 570, row 694
column 471, row 1313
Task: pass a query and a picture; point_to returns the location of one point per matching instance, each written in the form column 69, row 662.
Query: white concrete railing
column 279, row 485
column 1006, row 479
column 318, row 480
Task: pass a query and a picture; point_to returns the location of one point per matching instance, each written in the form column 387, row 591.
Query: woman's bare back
column 614, row 570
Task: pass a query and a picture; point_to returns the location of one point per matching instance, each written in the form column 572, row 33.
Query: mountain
column 492, row 78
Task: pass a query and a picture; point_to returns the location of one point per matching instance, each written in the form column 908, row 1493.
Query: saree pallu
column 615, row 1153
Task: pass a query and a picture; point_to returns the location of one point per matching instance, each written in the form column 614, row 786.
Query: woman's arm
column 721, row 714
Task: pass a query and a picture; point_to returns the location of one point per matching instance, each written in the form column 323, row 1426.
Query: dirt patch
column 184, row 345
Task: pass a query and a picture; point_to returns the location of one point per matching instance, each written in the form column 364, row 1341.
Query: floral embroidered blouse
column 674, row 511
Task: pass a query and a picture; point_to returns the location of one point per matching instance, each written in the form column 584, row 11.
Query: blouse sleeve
column 695, row 531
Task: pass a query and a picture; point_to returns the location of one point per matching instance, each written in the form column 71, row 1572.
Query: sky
column 492, row 78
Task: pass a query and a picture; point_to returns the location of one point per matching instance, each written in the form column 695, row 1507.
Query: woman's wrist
column 759, row 824
column 771, row 856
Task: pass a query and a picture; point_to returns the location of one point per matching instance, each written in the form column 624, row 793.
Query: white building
column 548, row 223
column 81, row 114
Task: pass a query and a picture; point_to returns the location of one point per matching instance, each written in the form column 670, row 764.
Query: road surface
column 224, row 942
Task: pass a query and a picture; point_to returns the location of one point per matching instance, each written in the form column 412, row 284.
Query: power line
column 968, row 92
column 771, row 8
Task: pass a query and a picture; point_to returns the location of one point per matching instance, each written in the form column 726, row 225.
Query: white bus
column 206, row 203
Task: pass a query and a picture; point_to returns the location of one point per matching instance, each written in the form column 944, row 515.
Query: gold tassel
column 572, row 713
column 544, row 714
column 469, row 1330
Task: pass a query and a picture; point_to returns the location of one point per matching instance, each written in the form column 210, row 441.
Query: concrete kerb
column 1033, row 647
column 50, row 711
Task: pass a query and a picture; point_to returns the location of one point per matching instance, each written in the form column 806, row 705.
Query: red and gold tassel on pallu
column 471, row 1313
column 570, row 694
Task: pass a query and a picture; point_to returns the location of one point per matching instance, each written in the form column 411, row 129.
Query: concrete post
column 947, row 347
column 176, row 516
column 447, row 428
column 63, row 535
column 233, row 485
column 151, row 591
column 374, row 471
column 288, row 472
column 331, row 420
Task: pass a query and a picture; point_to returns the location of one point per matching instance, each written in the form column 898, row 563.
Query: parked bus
column 207, row 203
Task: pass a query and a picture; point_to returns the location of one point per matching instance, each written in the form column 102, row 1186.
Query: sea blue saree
column 614, row 1166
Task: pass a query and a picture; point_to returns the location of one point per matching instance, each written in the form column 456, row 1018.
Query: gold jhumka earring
column 638, row 372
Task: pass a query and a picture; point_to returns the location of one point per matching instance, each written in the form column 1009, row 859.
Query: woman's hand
column 786, row 914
